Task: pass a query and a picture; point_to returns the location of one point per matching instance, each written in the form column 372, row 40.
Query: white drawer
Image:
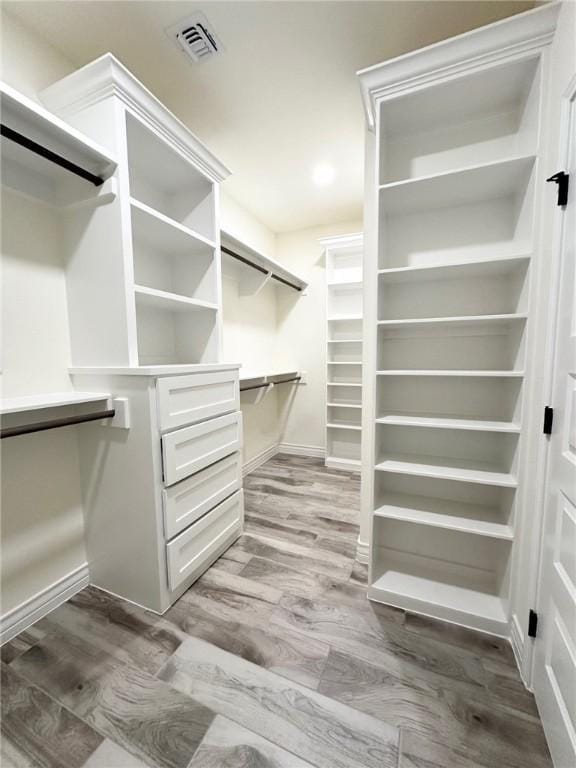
column 188, row 500
column 188, row 399
column 191, row 449
column 190, row 553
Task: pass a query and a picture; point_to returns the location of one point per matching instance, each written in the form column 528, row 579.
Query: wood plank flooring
column 273, row 659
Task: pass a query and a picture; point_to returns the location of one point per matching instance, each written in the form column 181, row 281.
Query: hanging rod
column 65, row 421
column 38, row 149
column 267, row 384
column 244, row 260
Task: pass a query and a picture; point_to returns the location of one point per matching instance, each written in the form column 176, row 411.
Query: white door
column 555, row 649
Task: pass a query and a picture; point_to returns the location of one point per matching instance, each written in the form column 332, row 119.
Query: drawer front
column 190, row 553
column 187, row 399
column 191, row 449
column 188, row 500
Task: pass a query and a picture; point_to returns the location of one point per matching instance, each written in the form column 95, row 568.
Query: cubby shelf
column 344, row 341
column 461, row 321
column 174, row 302
column 163, row 232
column 344, row 362
column 445, row 372
column 344, row 283
column 466, row 518
column 430, row 467
column 342, row 318
column 495, row 265
column 437, row 422
column 343, row 425
column 448, row 601
column 469, row 184
column 342, row 384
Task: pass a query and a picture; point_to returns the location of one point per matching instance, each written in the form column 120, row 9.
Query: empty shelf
column 343, row 425
column 341, row 318
column 343, row 283
column 49, row 400
column 342, row 384
column 460, row 322
column 344, row 341
column 344, row 362
column 163, row 234
column 442, row 513
column 498, row 265
column 467, row 185
column 344, row 405
column 479, row 374
column 174, row 302
column 440, row 422
column 432, row 466
column 435, row 597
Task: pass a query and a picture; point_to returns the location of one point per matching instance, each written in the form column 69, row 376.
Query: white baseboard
column 24, row 615
column 343, row 464
column 259, row 459
column 362, row 551
column 518, row 647
column 294, row 449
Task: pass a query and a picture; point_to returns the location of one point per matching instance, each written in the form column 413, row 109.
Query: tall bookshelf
column 344, row 319
column 452, row 231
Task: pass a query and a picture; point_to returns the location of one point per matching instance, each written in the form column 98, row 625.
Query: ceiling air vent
column 195, row 36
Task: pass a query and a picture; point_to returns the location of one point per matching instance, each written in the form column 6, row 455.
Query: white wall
column 302, row 334
column 42, row 524
column 250, row 328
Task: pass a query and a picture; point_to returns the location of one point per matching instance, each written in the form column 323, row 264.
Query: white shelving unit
column 452, row 205
column 344, row 350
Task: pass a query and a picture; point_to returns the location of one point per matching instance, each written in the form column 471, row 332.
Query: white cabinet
column 451, row 288
column 188, row 500
column 190, row 449
column 185, row 399
column 188, row 553
column 150, row 496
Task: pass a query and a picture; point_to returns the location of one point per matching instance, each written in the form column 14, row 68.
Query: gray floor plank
column 137, row 711
column 317, row 729
column 229, row 745
column 39, row 733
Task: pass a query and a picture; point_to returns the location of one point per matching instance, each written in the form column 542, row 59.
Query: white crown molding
column 27, row 613
column 341, row 241
column 515, row 36
column 105, row 77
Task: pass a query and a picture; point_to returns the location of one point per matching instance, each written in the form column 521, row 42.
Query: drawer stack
column 201, row 469
column 163, row 498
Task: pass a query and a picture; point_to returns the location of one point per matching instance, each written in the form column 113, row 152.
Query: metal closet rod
column 259, row 386
column 65, row 421
column 33, row 146
column 244, row 260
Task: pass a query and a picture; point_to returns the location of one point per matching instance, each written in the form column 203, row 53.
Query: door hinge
column 532, row 623
column 563, row 180
column 548, row 420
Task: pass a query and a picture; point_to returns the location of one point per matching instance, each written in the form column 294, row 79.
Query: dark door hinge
column 532, row 623
column 548, row 420
column 563, row 180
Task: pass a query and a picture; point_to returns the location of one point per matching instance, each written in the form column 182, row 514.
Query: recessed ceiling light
column 323, row 174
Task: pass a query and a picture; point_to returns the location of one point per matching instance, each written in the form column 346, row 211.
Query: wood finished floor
column 273, row 659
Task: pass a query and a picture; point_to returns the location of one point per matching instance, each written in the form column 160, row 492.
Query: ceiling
column 282, row 98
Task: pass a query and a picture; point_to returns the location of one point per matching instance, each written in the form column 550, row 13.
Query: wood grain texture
column 293, row 666
column 229, row 745
column 317, row 729
column 37, row 732
column 132, row 708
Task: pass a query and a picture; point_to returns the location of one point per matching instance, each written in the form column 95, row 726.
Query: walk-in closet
column 288, row 384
